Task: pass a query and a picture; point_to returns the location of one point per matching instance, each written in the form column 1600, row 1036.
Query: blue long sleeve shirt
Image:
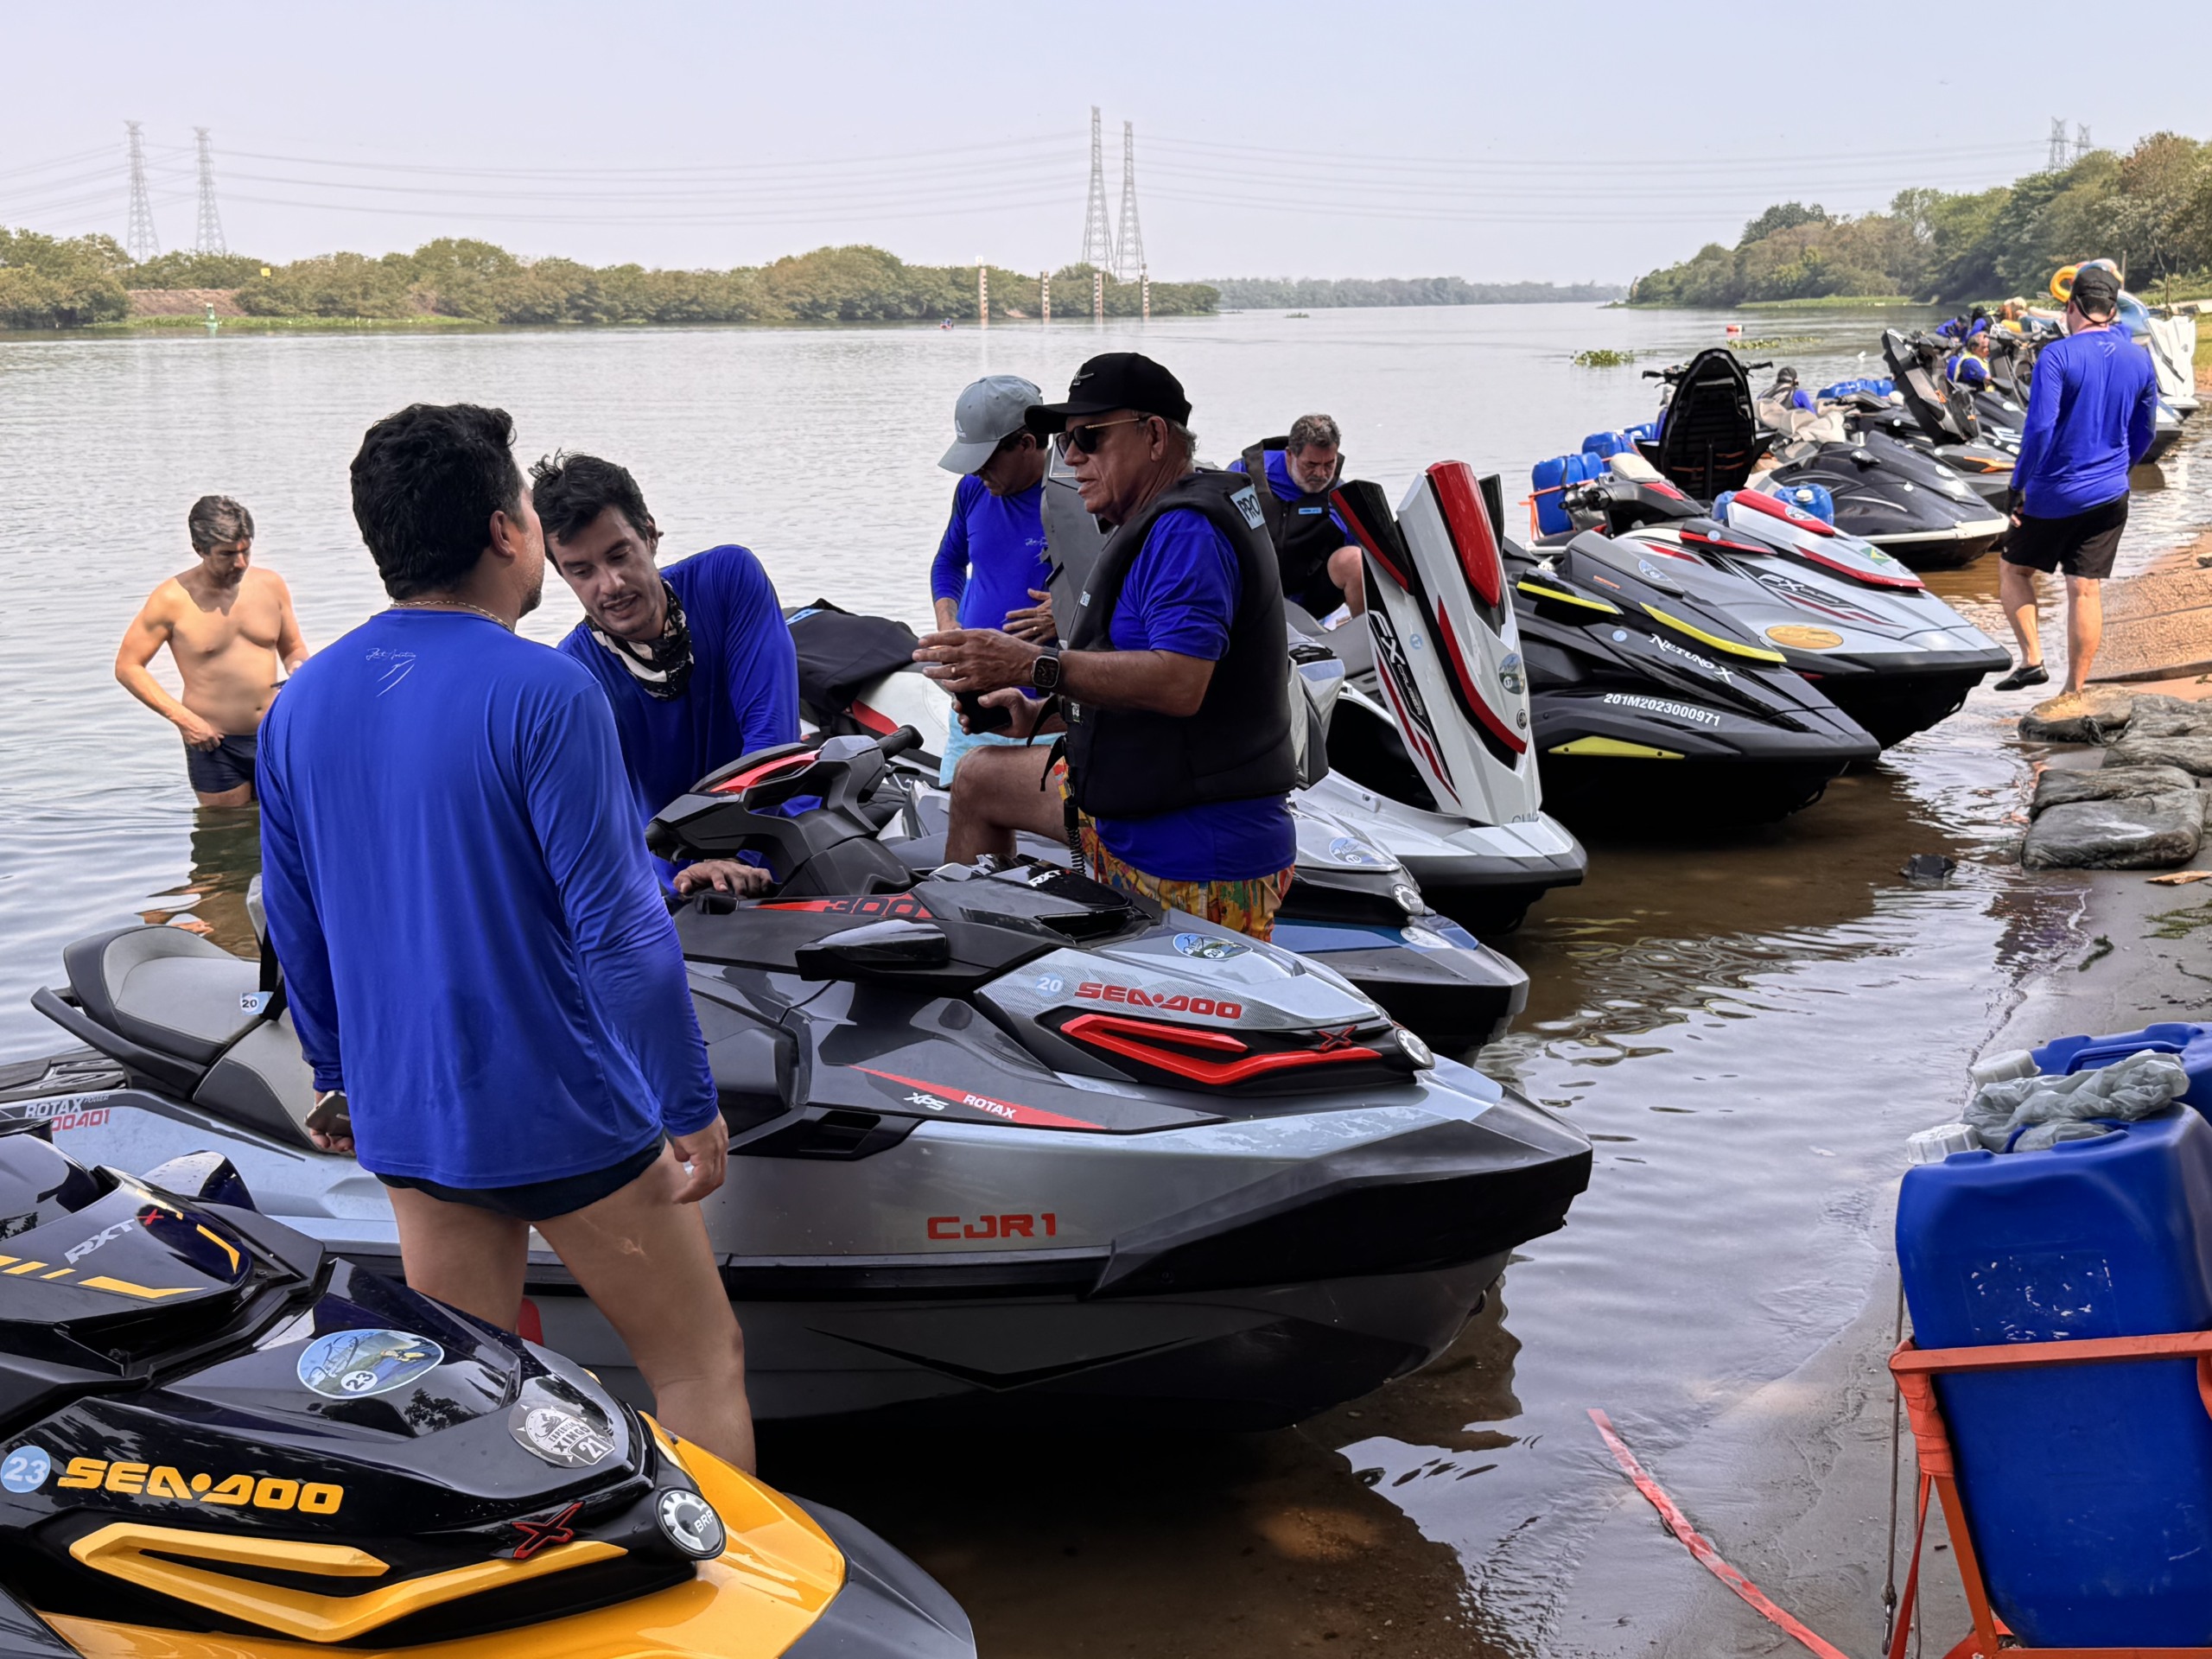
column 992, row 553
column 473, row 945
column 2093, row 408
column 744, row 690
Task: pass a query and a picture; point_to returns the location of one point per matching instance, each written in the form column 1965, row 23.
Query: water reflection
column 211, row 899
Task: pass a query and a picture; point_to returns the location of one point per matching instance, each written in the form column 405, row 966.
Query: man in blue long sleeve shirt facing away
column 695, row 658
column 2093, row 408
column 991, row 567
column 474, row 948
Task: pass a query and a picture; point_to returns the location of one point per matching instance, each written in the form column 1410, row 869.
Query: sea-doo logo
column 900, row 906
column 234, row 1492
column 942, row 1228
column 1178, row 1003
column 1664, row 706
column 1688, row 656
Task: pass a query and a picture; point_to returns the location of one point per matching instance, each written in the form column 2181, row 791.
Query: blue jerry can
column 2088, row 1488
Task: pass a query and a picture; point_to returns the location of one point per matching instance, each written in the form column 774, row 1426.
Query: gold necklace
column 450, row 605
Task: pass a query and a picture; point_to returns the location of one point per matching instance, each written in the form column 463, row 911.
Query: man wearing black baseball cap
column 1171, row 689
column 2092, row 409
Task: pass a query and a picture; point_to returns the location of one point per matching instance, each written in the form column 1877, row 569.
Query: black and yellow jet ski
column 1653, row 708
column 220, row 1443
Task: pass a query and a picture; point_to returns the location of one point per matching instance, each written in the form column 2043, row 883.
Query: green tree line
column 2150, row 208
column 51, row 283
column 1325, row 293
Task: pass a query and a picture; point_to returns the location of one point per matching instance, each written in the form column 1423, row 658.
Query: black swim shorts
column 541, row 1200
column 2081, row 545
column 229, row 764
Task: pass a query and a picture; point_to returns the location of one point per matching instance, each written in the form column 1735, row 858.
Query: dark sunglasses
column 1086, row 438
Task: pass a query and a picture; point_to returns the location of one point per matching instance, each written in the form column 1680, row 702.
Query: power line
column 140, row 241
column 210, row 237
column 1129, row 240
column 1097, row 239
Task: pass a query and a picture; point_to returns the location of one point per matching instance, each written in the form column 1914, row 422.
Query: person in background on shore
column 232, row 634
column 1171, row 687
column 1968, row 366
column 479, row 966
column 694, row 658
column 991, row 566
column 2092, row 410
column 1319, row 565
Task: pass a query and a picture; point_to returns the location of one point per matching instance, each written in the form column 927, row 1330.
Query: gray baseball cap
column 987, row 414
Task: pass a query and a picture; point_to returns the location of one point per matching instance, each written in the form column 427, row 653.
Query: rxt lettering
column 163, row 1480
column 951, row 1227
column 1178, row 1003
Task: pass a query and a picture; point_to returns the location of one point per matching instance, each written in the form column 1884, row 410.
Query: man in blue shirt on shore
column 991, row 567
column 2092, row 408
column 479, row 967
column 694, row 658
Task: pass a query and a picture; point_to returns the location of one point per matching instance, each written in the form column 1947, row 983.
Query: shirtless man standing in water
column 232, row 632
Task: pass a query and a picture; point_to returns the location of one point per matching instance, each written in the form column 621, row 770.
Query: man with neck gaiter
column 695, row 656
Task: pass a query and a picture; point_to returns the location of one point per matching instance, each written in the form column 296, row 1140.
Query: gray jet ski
column 1003, row 1142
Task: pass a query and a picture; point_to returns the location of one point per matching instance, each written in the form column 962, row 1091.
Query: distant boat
column 946, row 323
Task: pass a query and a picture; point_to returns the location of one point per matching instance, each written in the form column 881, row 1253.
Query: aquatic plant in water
column 1602, row 357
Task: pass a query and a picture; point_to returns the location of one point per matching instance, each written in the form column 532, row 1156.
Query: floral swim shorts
column 1247, row 907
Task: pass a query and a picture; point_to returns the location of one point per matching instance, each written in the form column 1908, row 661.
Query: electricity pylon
column 1129, row 240
column 140, row 242
column 210, row 238
column 1097, row 238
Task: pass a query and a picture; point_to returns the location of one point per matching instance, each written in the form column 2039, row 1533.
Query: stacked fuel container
column 2088, row 1488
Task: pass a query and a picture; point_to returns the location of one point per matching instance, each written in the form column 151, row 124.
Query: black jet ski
column 1002, row 1142
column 1653, row 708
column 1905, row 503
column 1842, row 614
column 1352, row 905
column 1938, row 417
column 224, row 1444
column 1473, row 832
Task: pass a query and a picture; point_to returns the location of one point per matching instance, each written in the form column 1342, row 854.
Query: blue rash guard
column 993, row 553
column 473, row 945
column 744, row 690
column 2092, row 408
column 1180, row 595
column 1279, row 480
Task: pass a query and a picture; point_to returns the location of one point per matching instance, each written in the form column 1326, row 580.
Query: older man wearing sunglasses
column 1171, row 689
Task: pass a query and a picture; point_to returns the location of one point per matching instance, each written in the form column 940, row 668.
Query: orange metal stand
column 1916, row 1372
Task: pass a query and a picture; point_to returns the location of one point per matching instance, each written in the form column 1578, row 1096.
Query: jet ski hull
column 1208, row 1309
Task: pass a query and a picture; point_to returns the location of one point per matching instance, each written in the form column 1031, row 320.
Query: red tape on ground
column 1679, row 1524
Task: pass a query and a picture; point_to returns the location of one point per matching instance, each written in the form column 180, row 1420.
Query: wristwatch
column 1045, row 672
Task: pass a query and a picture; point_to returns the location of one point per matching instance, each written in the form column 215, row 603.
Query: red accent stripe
column 1369, row 544
column 1498, row 727
column 1467, row 522
column 1871, row 578
column 1775, row 507
column 753, row 775
column 1709, row 1557
column 1035, row 1117
column 1411, row 731
column 1118, row 1035
column 881, row 725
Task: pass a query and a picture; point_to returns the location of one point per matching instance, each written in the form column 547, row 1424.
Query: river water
column 1748, row 1027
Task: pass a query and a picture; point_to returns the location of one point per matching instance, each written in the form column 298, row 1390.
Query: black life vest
column 1131, row 763
column 1302, row 530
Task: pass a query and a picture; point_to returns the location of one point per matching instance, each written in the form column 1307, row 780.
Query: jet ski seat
column 1710, row 440
column 169, row 989
column 165, row 988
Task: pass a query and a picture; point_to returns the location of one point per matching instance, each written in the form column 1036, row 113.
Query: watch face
column 1045, row 672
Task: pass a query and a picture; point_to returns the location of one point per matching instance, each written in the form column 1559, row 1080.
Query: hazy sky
column 1483, row 140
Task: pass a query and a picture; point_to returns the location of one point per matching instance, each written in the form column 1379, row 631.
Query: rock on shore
column 2143, row 809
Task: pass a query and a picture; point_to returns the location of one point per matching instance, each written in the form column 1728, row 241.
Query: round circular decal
column 353, row 1364
column 1802, row 638
column 556, row 1423
column 25, row 1468
column 1421, row 938
column 1350, row 849
column 690, row 1522
column 1208, row 947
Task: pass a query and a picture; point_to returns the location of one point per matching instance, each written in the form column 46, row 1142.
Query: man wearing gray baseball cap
column 990, row 566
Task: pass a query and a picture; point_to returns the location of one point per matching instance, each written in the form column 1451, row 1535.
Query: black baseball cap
column 1115, row 380
column 2096, row 290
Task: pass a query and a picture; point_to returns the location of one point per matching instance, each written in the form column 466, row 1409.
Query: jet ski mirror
column 875, row 948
